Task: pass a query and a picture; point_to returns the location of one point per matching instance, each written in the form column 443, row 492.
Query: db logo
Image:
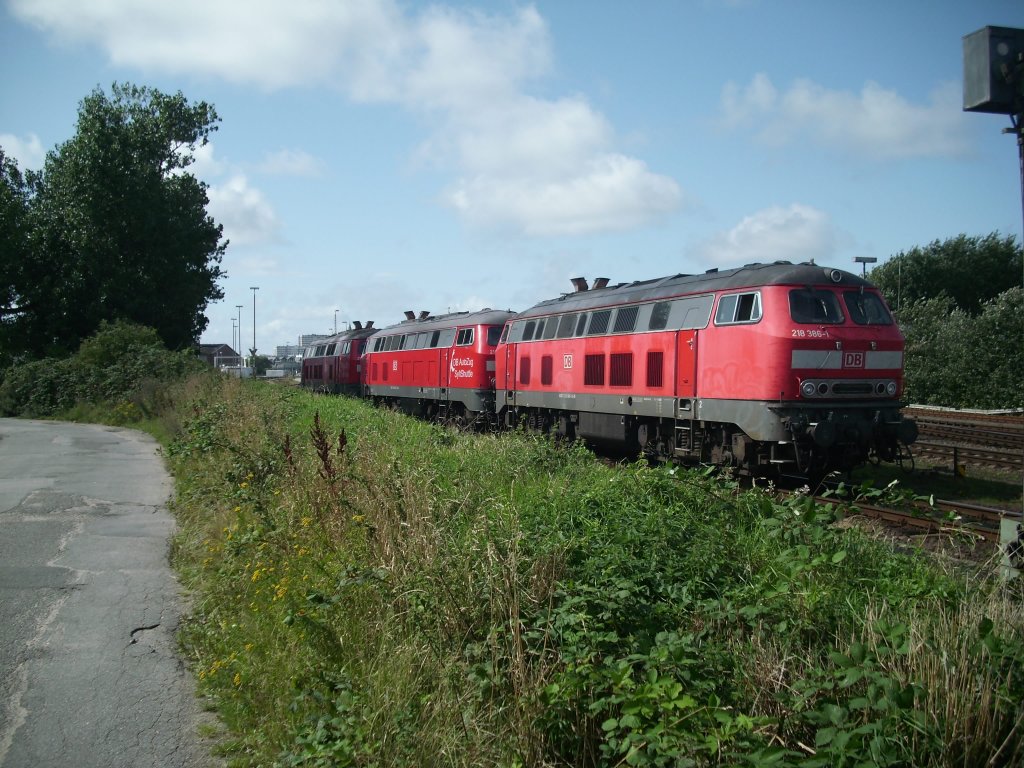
column 566, row 362
column 853, row 359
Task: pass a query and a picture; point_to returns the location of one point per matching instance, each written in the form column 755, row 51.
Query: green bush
column 123, row 367
column 374, row 590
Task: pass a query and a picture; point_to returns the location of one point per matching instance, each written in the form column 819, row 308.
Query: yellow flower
column 237, row 680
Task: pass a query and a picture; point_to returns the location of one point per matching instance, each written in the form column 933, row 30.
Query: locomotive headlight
column 807, row 389
column 890, row 388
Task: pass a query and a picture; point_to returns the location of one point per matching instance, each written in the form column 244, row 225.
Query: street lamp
column 234, row 329
column 335, row 322
column 254, row 288
column 864, row 261
column 240, row 355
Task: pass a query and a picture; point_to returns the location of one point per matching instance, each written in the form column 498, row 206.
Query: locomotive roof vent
column 600, row 282
column 579, row 284
column 358, row 325
column 410, row 315
column 369, row 323
column 424, row 314
column 711, row 271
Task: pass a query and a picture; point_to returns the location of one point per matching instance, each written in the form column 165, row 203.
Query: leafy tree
column 970, row 270
column 117, row 226
column 963, row 361
column 13, row 245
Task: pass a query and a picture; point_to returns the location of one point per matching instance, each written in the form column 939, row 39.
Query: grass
column 374, row 590
column 986, row 487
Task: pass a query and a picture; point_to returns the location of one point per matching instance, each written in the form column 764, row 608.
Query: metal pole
column 254, row 288
column 241, row 357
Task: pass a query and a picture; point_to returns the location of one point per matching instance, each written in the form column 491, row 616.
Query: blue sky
column 378, row 156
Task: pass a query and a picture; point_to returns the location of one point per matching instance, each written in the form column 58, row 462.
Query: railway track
column 957, row 438
column 1000, row 529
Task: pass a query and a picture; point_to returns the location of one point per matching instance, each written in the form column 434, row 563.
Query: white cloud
column 608, row 192
column 795, row 233
column 466, row 71
column 28, row 151
column 244, row 212
column 291, row 162
column 877, row 122
column 205, row 165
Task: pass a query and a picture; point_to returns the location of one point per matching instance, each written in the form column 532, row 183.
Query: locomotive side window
column 581, row 324
column 599, row 322
column 524, row 371
column 434, row 337
column 465, row 337
column 692, row 313
column 625, row 319
column 528, row 330
column 546, row 370
column 447, row 337
column 566, row 326
column 659, row 316
column 540, row 330
column 739, row 308
column 551, row 328
column 494, row 334
column 504, row 334
column 810, row 306
column 866, row 308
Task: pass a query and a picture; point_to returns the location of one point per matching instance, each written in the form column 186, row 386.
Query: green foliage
column 115, row 227
column 968, row 270
column 13, row 248
column 967, row 361
column 959, row 303
column 123, row 366
column 373, row 590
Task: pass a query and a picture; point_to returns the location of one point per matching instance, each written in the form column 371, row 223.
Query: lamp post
column 234, row 330
column 335, row 322
column 254, row 288
column 240, row 355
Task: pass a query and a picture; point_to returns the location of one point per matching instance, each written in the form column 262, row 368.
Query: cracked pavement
column 89, row 669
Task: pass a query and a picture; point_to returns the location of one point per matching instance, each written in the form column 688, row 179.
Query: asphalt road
column 89, row 673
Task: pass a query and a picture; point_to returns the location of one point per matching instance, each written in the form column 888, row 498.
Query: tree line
column 113, row 228
column 960, row 304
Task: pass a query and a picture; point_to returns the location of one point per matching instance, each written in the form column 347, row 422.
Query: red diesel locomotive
column 770, row 368
column 437, row 367
column 335, row 364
